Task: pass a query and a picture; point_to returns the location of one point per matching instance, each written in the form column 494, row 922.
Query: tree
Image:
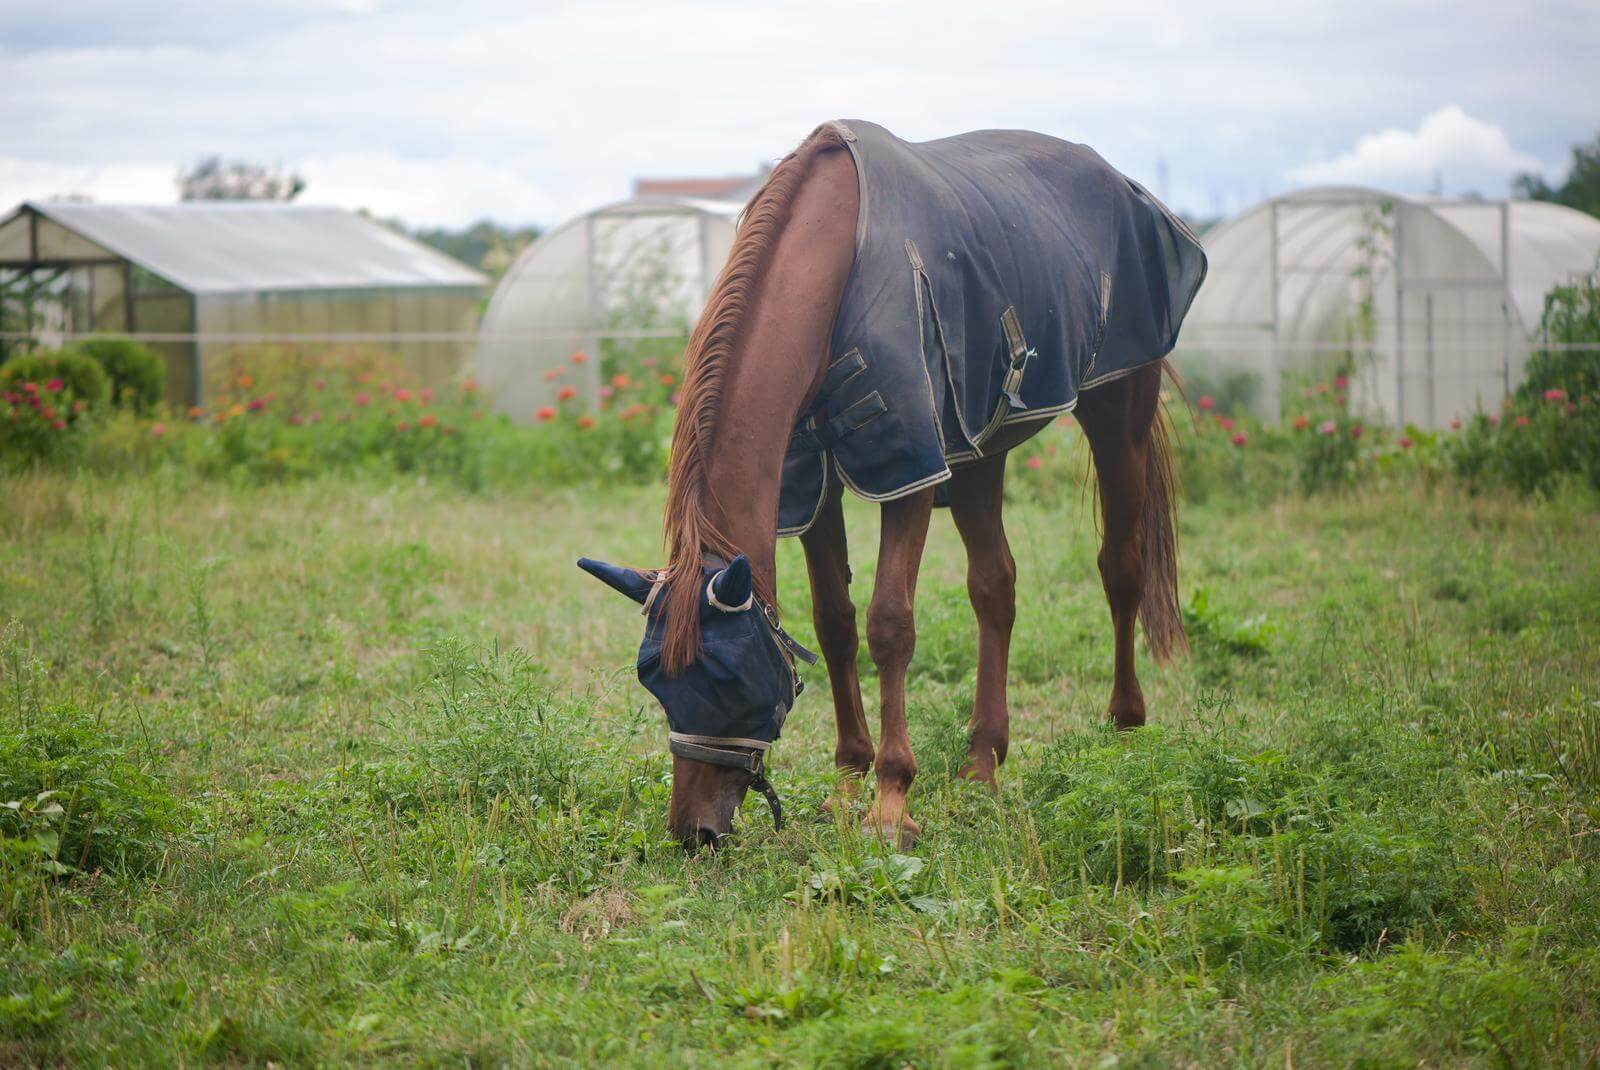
column 216, row 179
column 1581, row 190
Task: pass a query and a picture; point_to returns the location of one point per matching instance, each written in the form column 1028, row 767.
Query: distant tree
column 485, row 245
column 216, row 179
column 1581, row 190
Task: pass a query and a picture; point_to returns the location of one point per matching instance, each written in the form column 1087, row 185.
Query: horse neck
column 778, row 361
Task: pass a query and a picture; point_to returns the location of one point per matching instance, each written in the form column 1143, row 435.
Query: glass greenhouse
column 629, row 275
column 1431, row 307
column 195, row 281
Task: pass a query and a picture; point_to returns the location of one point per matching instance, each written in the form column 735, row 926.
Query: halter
column 737, row 752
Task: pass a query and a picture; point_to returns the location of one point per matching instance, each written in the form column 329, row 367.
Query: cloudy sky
column 445, row 112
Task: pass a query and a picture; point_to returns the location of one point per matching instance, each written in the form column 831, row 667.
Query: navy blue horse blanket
column 997, row 275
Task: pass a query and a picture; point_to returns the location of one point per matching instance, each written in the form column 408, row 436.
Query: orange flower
column 545, row 415
column 566, row 393
column 580, row 357
column 194, row 412
column 585, row 422
column 236, row 409
column 667, row 379
column 469, row 386
column 246, row 382
column 402, row 394
column 631, row 411
column 555, row 373
column 428, row 420
column 621, row 382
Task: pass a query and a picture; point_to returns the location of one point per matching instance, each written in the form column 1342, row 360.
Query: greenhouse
column 630, row 276
column 1430, row 307
column 196, row 281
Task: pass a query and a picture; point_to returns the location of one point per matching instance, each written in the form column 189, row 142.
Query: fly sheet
column 997, row 275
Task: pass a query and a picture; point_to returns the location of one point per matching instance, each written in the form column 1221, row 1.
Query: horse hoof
column 979, row 770
column 902, row 833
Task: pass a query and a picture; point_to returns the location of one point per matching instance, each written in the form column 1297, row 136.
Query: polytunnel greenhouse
column 1430, row 307
column 621, row 279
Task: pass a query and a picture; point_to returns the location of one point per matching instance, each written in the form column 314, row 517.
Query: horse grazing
column 895, row 318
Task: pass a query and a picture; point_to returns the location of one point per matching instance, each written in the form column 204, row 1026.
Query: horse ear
column 630, row 582
column 732, row 585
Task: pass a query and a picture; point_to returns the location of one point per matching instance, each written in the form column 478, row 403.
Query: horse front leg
column 891, row 639
column 834, row 615
column 975, row 503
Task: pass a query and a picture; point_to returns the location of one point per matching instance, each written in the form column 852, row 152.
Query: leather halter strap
column 750, row 762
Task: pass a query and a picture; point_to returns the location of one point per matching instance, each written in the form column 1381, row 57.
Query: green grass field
column 356, row 772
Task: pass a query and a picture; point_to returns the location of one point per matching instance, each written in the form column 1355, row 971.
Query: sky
column 444, row 113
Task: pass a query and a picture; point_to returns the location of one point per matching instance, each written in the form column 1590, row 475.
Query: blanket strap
column 1019, row 352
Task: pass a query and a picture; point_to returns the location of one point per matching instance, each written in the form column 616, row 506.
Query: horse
column 756, row 420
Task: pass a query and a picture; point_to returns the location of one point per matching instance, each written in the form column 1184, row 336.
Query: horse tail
column 1159, row 611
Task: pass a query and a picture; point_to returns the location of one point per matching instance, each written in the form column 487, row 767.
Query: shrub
column 136, row 374
column 45, row 402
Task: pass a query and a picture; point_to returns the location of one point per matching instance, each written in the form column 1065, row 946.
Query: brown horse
column 754, row 363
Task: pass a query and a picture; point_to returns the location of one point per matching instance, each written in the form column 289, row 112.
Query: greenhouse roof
column 238, row 247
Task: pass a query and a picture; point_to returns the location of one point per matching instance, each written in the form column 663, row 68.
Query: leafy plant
column 135, row 374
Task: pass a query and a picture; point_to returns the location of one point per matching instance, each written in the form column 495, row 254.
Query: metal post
column 1399, row 322
column 1505, row 288
column 1427, row 327
column 1273, row 380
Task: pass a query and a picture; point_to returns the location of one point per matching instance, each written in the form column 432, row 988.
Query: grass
column 355, row 772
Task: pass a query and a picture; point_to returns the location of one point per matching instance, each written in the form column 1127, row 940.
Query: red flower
column 402, row 426
column 566, row 393
column 580, row 357
column 1206, row 403
column 555, row 373
column 1240, row 438
column 649, row 362
column 1301, row 422
column 363, row 400
column 55, row 386
column 402, row 395
column 667, row 379
column 1225, row 423
column 428, row 420
column 1555, row 394
column 316, row 417
column 1356, row 431
column 1035, row 462
column 585, row 422
column 426, row 395
column 545, row 415
column 158, row 430
column 296, row 420
column 1492, row 417
column 48, row 412
column 1405, row 442
column 30, row 388
column 320, row 384
column 621, row 382
column 59, row 425
column 256, row 405
column 1341, row 382
column 195, row 412
column 1522, row 421
column 1455, row 423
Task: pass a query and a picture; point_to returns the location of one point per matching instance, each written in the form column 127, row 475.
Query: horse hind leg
column 975, row 505
column 1119, row 419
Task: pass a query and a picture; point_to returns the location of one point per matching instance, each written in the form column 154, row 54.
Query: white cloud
column 451, row 191
column 128, row 183
column 1449, row 145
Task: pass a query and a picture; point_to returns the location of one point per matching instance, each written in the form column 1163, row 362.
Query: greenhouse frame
column 196, row 281
column 634, row 273
column 1431, row 307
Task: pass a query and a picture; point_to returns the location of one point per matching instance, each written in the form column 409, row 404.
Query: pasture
column 353, row 770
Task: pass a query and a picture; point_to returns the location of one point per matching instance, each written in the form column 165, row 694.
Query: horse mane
column 687, row 529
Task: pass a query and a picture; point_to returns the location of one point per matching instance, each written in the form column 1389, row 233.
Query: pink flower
column 402, row 395
column 1555, row 394
column 158, row 430
column 30, row 388
column 1455, row 423
column 316, row 417
column 1225, row 423
column 1327, row 427
column 363, row 400
column 545, row 414
column 606, row 391
column 1405, row 442
column 1036, row 463
column 320, row 384
column 1240, row 438
column 580, row 357
column 1492, row 417
column 1356, row 431
column 55, row 386
column 426, row 395
column 1341, row 382
column 256, row 405
column 566, row 393
column 296, row 420
column 1522, row 421
column 1206, row 403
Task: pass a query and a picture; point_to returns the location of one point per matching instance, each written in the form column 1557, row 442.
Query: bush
column 47, row 401
column 136, row 374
